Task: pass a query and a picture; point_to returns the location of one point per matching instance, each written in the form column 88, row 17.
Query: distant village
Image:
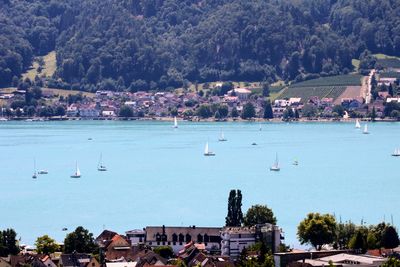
column 376, row 98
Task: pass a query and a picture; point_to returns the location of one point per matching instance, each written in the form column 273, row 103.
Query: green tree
column 259, row 214
column 392, row 262
column 46, row 245
column 204, row 111
column 358, row 242
column 248, row 111
column 268, row 113
column 81, row 241
column 235, row 215
column 234, row 113
column 265, row 89
column 390, row 238
column 8, row 243
column 125, row 112
column 309, row 111
column 317, row 229
column 164, row 251
column 344, row 232
column 339, row 110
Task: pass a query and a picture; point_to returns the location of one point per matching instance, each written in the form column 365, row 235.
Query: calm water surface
column 159, row 176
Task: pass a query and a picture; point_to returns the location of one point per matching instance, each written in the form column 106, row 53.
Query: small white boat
column 101, row 167
column 295, row 162
column 207, row 151
column 222, row 137
column 275, row 167
column 358, row 125
column 175, row 123
column 365, row 129
column 34, row 176
column 43, row 172
column 77, row 173
column 3, row 119
column 396, row 152
column 254, row 144
column 259, row 127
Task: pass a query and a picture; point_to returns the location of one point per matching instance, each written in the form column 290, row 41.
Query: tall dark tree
column 390, row 238
column 268, row 113
column 8, row 243
column 81, row 241
column 235, row 215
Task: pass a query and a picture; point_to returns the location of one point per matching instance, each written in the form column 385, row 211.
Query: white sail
column 206, row 150
column 365, row 129
column 222, row 137
column 175, row 123
column 260, row 128
column 358, row 124
column 275, row 166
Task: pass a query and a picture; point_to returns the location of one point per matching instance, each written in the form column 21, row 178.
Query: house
column 136, row 236
column 344, row 259
column 177, row 237
column 121, row 264
column 386, row 81
column 72, row 111
column 194, row 255
column 235, row 239
column 116, row 248
column 105, row 236
column 241, row 93
column 108, row 113
column 48, row 262
column 74, row 260
column 148, row 257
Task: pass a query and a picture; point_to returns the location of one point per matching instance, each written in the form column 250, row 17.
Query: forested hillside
column 146, row 44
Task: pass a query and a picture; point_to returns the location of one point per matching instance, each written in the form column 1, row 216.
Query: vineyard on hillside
column 306, row 93
column 339, row 80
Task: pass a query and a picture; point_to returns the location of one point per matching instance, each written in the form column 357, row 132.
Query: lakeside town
column 371, row 97
column 250, row 239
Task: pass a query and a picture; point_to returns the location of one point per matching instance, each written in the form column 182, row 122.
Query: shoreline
column 196, row 119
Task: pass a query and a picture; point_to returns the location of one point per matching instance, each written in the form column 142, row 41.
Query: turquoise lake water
column 159, row 176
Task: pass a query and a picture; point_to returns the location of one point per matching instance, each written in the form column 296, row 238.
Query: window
column 188, row 238
column 206, row 238
column 199, row 238
column 158, row 243
column 150, row 243
column 93, row 264
column 174, row 238
column 181, row 238
column 169, row 243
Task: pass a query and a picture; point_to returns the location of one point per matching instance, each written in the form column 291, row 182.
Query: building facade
column 178, row 237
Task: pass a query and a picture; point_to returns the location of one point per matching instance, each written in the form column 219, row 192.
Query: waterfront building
column 178, row 237
column 235, row 239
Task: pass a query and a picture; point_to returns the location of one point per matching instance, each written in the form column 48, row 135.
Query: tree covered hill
column 146, row 44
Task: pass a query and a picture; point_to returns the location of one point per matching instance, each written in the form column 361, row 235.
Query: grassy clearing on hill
column 50, row 66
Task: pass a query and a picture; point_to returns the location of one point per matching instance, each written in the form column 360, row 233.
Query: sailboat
column 207, row 151
column 295, row 162
column 77, row 173
column 275, row 167
column 365, row 129
column 259, row 127
column 222, row 137
column 175, row 123
column 43, row 172
column 100, row 166
column 358, row 125
column 396, row 152
column 34, row 176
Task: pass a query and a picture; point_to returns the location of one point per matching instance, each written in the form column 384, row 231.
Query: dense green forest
column 147, row 44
